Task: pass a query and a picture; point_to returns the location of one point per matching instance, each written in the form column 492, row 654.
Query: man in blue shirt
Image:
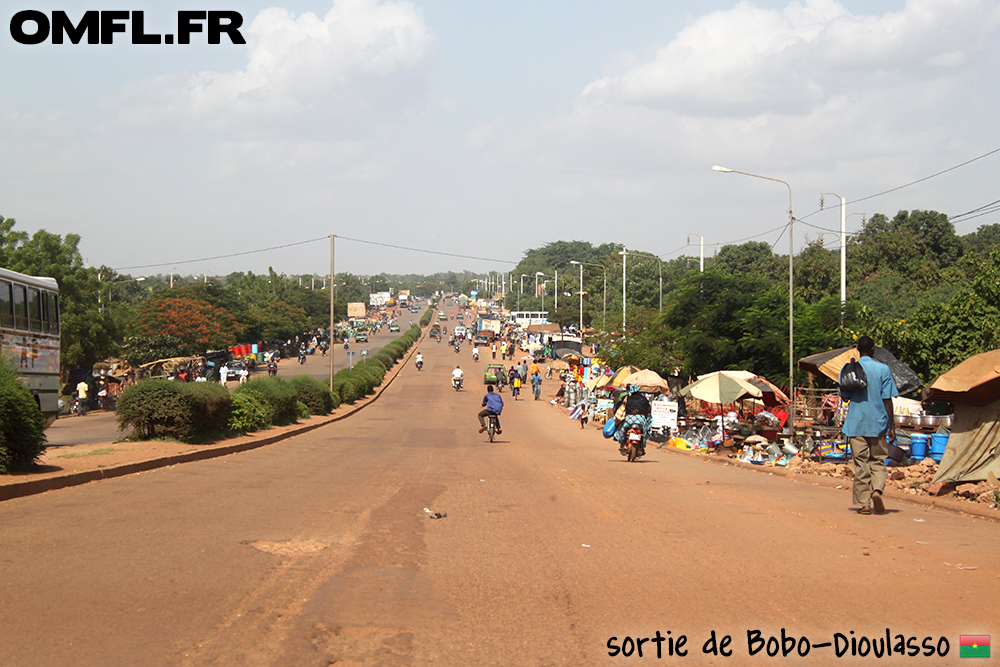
column 494, row 406
column 869, row 419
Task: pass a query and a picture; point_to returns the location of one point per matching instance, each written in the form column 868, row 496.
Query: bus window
column 20, row 307
column 54, row 315
column 46, row 305
column 6, row 305
column 34, row 310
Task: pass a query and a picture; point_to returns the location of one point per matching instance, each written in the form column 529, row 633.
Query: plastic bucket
column 939, row 442
column 918, row 445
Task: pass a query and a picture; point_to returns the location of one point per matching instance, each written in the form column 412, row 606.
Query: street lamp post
column 791, row 284
column 521, row 291
column 701, row 254
column 843, row 243
column 604, row 313
column 624, row 256
column 581, row 294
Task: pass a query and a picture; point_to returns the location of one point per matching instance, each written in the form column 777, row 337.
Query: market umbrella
column 829, row 364
column 720, row 388
column 621, row 374
column 559, row 365
column 771, row 395
column 533, row 346
column 975, row 381
column 598, row 382
column 649, row 382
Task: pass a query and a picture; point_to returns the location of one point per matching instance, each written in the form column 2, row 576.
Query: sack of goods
column 609, row 429
column 852, row 377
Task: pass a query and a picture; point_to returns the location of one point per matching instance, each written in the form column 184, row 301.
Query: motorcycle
column 272, row 369
column 458, row 349
column 457, row 383
column 302, row 357
column 475, row 356
column 634, row 445
column 420, row 364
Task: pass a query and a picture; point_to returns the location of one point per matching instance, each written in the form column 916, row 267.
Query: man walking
column 82, row 397
column 536, row 384
column 869, row 420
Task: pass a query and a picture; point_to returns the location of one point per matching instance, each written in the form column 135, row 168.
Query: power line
column 430, row 252
column 233, row 254
column 885, row 192
column 298, row 243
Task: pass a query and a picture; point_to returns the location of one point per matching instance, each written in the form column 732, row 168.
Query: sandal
column 877, row 505
column 865, row 510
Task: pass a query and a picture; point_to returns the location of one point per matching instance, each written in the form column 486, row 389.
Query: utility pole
column 332, row 346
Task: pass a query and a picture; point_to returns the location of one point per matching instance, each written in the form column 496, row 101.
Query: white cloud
column 750, row 60
column 339, row 75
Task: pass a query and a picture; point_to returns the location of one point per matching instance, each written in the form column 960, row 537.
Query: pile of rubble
column 915, row 479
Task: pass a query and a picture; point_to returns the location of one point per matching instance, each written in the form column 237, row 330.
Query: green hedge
column 250, row 412
column 22, row 426
column 158, row 408
column 313, row 393
column 280, row 395
column 213, row 404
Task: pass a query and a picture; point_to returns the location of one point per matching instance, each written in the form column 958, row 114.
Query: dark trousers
column 482, row 418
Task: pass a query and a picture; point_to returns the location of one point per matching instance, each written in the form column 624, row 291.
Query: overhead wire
column 970, row 215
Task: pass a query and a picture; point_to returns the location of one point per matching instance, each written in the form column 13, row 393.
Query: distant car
column 460, row 331
column 235, row 366
column 492, row 374
column 482, row 340
column 361, row 337
column 393, row 327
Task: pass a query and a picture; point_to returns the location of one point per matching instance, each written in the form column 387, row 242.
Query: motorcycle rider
column 637, row 413
column 420, row 361
column 475, row 354
column 493, row 405
column 457, row 374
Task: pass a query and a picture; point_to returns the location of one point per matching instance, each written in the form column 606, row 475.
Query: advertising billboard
column 356, row 309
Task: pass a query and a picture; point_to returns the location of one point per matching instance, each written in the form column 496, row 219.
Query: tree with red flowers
column 199, row 325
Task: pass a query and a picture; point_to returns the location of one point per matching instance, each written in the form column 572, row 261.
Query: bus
column 29, row 334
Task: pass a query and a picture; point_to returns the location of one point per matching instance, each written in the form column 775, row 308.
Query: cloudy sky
column 484, row 129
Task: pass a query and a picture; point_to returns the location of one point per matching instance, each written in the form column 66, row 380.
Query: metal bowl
column 904, row 420
column 930, row 420
column 947, row 420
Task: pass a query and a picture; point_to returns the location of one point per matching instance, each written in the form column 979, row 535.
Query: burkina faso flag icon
column 974, row 646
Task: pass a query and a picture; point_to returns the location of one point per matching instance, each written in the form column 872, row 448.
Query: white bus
column 29, row 334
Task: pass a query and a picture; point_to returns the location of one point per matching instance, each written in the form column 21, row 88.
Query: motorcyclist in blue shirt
column 493, row 406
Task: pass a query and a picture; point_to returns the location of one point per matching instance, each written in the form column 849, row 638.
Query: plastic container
column 939, row 442
column 918, row 445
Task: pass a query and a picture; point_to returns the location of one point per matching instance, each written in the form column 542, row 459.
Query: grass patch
column 93, row 452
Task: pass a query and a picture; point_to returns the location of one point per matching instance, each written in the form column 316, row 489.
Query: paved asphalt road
column 318, row 551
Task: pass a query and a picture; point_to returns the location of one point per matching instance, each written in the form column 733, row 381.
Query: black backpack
column 852, row 377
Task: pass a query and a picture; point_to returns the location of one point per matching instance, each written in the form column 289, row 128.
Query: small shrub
column 346, row 389
column 303, row 410
column 22, row 426
column 250, row 412
column 156, row 408
column 385, row 359
column 277, row 393
column 313, row 393
column 213, row 404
